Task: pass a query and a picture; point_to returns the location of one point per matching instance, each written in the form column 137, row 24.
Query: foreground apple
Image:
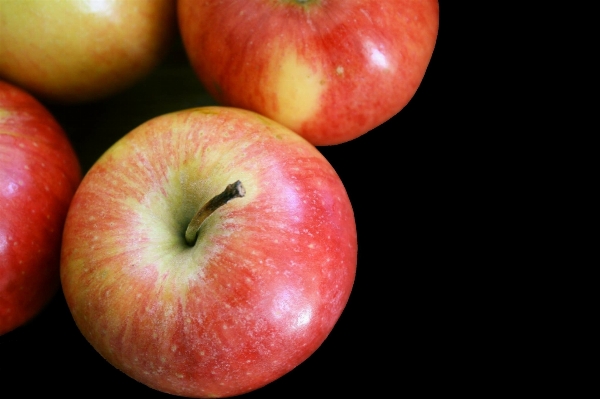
column 231, row 307
column 74, row 51
column 39, row 173
column 331, row 70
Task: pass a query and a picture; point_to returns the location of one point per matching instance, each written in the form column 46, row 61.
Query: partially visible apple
column 253, row 296
column 331, row 70
column 39, row 173
column 73, row 51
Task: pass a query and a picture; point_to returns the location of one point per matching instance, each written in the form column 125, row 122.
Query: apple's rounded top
column 329, row 70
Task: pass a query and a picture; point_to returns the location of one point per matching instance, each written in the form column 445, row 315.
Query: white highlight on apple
column 3, row 243
column 98, row 6
column 10, row 189
column 377, row 57
column 303, row 317
column 286, row 303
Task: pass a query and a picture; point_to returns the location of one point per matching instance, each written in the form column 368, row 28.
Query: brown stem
column 234, row 190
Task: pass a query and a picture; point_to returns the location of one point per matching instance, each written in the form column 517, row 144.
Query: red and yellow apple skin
column 261, row 288
column 331, row 70
column 39, row 173
column 73, row 51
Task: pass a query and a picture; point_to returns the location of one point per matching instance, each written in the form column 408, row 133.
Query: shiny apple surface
column 259, row 290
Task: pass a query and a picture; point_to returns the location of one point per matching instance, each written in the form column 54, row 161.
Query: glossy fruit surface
column 73, row 51
column 331, row 70
column 39, row 173
column 253, row 297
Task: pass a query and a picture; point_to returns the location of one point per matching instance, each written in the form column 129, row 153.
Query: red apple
column 74, row 51
column 253, row 296
column 39, row 173
column 331, row 70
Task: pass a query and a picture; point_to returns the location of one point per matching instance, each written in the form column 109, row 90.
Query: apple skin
column 39, row 173
column 259, row 291
column 73, row 51
column 331, row 70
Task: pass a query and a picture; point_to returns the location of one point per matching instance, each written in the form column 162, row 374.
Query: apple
column 331, row 70
column 208, row 252
column 73, row 51
column 39, row 173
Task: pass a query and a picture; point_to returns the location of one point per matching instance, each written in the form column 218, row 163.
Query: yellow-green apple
column 208, row 252
column 39, row 172
column 73, row 51
column 331, row 70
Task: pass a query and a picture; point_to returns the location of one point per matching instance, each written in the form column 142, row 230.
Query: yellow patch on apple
column 298, row 87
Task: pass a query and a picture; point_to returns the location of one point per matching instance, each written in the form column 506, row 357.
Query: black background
column 386, row 339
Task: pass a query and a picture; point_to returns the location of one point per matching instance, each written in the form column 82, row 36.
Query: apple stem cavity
column 234, row 190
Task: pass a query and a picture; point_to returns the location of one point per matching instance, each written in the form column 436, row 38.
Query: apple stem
column 234, row 190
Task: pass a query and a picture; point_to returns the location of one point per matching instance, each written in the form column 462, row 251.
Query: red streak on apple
column 330, row 70
column 262, row 287
column 39, row 173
